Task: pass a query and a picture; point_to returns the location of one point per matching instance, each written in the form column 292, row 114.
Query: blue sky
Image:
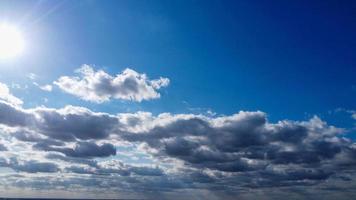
column 291, row 60
column 284, row 58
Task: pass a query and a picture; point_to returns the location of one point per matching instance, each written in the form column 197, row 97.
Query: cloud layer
column 145, row 153
column 99, row 86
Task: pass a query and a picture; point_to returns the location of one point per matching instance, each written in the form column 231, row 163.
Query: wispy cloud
column 32, row 76
column 46, row 87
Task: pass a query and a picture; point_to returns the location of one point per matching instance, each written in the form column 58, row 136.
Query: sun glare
column 11, row 42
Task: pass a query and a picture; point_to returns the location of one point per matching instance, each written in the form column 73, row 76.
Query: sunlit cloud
column 99, row 86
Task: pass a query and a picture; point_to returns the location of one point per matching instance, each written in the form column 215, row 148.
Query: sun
column 11, row 41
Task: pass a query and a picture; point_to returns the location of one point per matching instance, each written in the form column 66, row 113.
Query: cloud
column 3, row 147
column 247, row 143
column 14, row 116
column 98, row 86
column 66, row 124
column 7, row 96
column 32, row 76
column 46, row 87
column 30, row 166
column 34, row 167
column 217, row 153
column 82, row 149
column 117, row 167
column 351, row 112
column 72, row 123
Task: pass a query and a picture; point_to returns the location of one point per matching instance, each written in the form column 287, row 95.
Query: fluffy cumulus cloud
column 145, row 154
column 246, row 142
column 99, row 86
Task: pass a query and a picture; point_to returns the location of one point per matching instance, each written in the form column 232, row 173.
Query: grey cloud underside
column 82, row 149
column 67, row 124
column 3, row 147
column 30, row 166
column 245, row 142
column 242, row 150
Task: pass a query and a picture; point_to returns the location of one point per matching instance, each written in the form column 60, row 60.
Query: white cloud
column 46, row 87
column 99, row 86
column 7, row 96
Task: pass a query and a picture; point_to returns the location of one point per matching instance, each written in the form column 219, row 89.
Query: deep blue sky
column 289, row 59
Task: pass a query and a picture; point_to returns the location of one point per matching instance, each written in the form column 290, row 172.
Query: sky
column 182, row 99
